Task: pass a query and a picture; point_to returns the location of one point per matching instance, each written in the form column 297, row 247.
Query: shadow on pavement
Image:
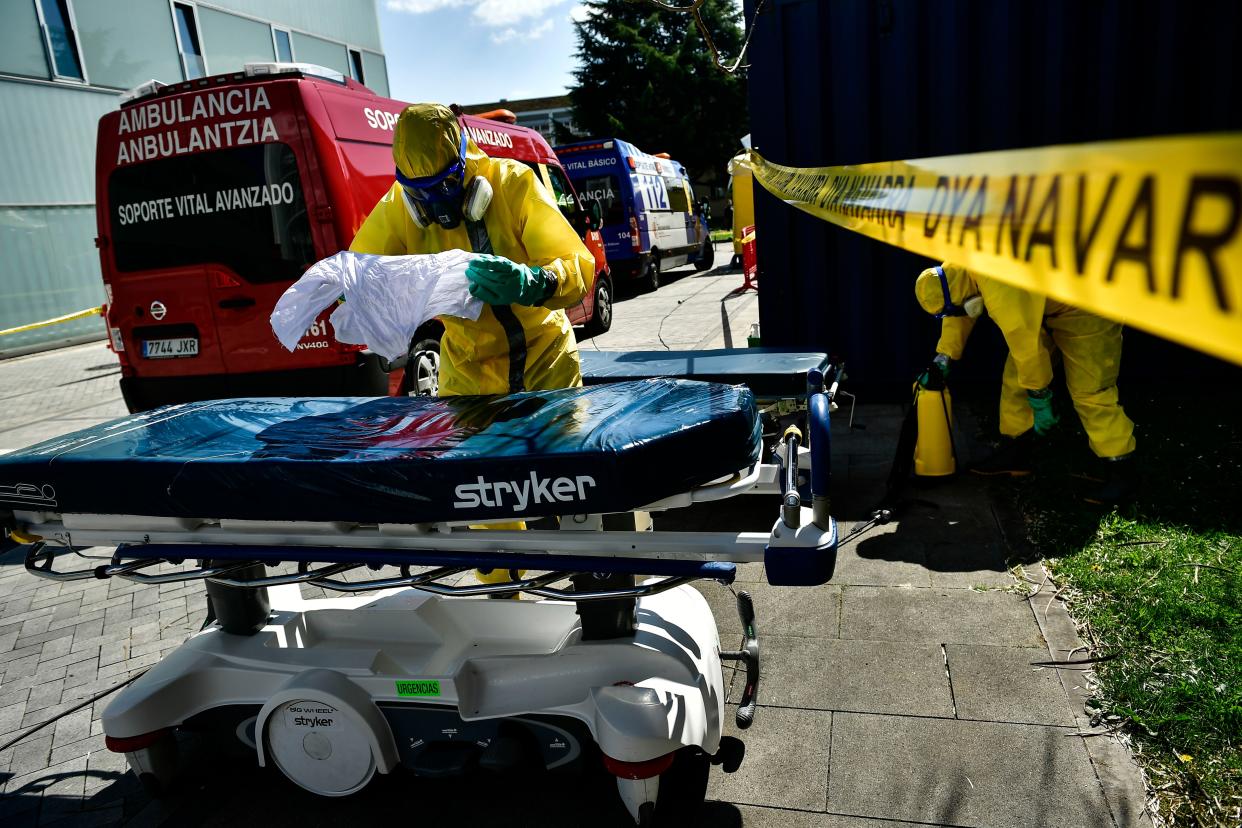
column 213, row 775
column 1189, row 463
column 113, row 796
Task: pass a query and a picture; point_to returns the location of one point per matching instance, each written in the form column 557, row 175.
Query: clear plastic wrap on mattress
column 608, row 448
column 768, row 372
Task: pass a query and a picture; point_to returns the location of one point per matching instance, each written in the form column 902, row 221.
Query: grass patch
column 1157, row 587
column 722, row 235
column 1168, row 602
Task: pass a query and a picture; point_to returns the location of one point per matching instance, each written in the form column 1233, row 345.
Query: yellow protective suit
column 1034, row 328
column 525, row 225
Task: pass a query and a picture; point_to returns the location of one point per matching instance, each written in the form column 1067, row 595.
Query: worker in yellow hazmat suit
column 450, row 195
column 1035, row 327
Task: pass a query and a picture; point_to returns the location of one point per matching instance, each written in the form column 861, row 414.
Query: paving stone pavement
column 903, row 693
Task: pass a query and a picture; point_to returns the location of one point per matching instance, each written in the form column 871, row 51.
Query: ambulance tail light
column 116, row 340
column 635, row 241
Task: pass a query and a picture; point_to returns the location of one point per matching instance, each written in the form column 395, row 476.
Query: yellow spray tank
column 934, row 452
column 742, row 192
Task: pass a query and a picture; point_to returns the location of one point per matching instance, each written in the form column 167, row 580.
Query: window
column 59, row 38
column 329, row 53
column 241, row 207
column 187, row 38
column 284, row 46
column 355, row 65
column 678, row 195
column 603, row 189
column 562, row 192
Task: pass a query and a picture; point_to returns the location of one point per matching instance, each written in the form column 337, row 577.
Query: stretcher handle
column 406, row 580
column 748, row 655
column 128, row 570
column 825, row 378
column 791, row 501
column 819, row 409
column 304, row 575
column 40, row 557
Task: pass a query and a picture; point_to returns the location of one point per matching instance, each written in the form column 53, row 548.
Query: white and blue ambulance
column 649, row 217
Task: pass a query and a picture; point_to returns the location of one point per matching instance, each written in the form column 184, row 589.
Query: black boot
column 1120, row 482
column 1013, row 458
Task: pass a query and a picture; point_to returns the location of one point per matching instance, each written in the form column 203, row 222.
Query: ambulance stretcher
column 624, row 660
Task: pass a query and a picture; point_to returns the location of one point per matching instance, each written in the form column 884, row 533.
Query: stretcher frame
column 799, row 549
column 450, row 548
column 801, row 546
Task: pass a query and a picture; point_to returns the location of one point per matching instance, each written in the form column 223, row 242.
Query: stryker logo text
column 518, row 494
column 312, row 721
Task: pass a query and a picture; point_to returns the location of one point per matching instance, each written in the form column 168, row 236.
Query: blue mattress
column 770, row 373
column 610, row 448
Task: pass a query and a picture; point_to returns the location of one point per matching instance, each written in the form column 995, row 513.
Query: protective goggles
column 972, row 307
column 446, row 184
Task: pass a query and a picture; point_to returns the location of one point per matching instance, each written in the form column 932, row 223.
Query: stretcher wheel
column 325, row 733
column 683, row 788
column 240, row 610
column 320, row 748
column 155, row 765
column 680, row 792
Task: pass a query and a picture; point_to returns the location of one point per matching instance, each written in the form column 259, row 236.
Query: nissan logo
column 158, row 310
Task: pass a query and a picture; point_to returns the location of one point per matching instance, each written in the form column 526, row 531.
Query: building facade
column 544, row 115
column 64, row 63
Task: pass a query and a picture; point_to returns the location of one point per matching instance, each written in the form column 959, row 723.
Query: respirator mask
column 444, row 198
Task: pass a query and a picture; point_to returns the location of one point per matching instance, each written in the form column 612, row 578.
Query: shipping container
column 853, row 81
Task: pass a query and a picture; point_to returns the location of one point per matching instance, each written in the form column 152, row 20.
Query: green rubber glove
column 934, row 377
column 500, row 281
column 1041, row 403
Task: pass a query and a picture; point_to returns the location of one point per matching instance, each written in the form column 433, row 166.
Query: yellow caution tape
column 69, row 317
column 1146, row 231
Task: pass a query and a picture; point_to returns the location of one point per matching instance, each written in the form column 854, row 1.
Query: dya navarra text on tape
column 1148, row 231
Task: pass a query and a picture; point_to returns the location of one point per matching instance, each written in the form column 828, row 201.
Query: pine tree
column 647, row 76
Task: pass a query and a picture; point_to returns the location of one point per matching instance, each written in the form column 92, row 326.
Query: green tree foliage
column 647, row 76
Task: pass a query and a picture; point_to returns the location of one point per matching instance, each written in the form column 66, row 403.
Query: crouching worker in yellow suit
column 1034, row 328
column 449, row 195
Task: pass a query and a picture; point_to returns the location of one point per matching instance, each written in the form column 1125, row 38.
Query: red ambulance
column 215, row 194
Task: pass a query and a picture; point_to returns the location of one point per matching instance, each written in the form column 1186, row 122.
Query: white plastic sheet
column 386, row 298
